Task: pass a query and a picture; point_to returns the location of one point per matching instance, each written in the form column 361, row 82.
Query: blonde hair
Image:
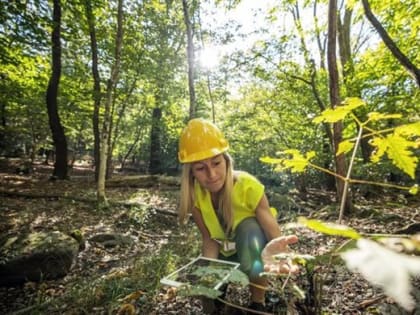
column 187, row 198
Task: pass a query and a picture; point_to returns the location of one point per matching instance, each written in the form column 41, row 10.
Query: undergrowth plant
column 398, row 143
column 381, row 266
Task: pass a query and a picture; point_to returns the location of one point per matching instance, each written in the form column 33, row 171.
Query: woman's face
column 210, row 173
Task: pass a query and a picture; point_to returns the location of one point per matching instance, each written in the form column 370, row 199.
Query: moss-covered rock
column 36, row 256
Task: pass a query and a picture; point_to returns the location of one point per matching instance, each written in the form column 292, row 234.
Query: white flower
column 385, row 268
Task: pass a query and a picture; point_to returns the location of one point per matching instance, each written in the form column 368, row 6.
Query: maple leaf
column 344, row 147
column 332, row 115
column 409, row 129
column 329, row 228
column 298, row 162
column 398, row 150
column 374, row 116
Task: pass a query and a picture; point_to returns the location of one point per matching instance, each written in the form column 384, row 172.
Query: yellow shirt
column 246, row 195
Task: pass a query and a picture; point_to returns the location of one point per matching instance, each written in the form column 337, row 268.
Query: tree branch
column 411, row 68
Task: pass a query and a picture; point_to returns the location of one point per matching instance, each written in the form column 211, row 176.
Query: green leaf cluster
column 399, row 144
column 296, row 163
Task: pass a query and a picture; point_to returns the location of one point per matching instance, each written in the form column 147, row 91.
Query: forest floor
column 124, row 279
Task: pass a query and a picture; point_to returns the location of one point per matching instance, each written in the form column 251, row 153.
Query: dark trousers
column 250, row 241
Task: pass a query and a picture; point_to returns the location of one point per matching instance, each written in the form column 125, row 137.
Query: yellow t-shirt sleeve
column 253, row 191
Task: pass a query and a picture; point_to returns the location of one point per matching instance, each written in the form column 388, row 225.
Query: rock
column 112, row 240
column 36, row 257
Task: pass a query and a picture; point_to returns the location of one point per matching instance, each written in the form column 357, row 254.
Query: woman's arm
column 210, row 248
column 277, row 243
column 266, row 220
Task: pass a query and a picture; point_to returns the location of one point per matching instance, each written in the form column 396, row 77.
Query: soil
column 34, row 202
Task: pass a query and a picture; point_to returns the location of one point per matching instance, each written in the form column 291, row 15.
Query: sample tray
column 185, row 274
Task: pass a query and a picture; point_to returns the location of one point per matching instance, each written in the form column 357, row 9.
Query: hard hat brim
column 202, row 155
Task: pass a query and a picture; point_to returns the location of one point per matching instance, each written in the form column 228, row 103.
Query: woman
column 229, row 207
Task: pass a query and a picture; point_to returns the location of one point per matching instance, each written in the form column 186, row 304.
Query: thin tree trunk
column 3, row 123
column 109, row 167
column 58, row 135
column 207, row 72
column 320, row 44
column 108, row 102
column 348, row 73
column 298, row 24
column 155, row 165
column 345, row 49
column 115, row 131
column 96, row 85
column 138, row 133
column 340, row 161
column 191, row 61
column 329, row 180
column 407, row 64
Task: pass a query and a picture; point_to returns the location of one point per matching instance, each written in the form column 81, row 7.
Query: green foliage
column 398, row 150
column 267, row 120
column 332, row 115
column 263, row 92
column 397, row 143
column 238, row 277
column 297, row 163
column 330, row 228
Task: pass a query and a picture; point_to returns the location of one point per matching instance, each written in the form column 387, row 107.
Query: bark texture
column 57, row 130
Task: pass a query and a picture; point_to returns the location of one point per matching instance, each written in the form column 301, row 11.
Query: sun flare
column 209, row 57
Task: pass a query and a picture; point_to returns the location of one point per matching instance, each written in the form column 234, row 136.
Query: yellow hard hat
column 200, row 140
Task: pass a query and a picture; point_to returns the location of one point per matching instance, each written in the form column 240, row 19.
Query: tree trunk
column 191, row 61
column 3, row 125
column 327, row 147
column 407, row 64
column 294, row 10
column 108, row 102
column 138, row 134
column 96, row 85
column 340, row 161
column 109, row 166
column 365, row 146
column 345, row 50
column 115, row 130
column 208, row 79
column 155, row 165
column 348, row 73
column 320, row 42
column 57, row 130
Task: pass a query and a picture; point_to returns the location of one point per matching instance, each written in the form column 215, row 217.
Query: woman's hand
column 276, row 246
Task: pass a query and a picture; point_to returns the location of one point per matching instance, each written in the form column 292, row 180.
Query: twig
column 370, row 302
column 287, row 278
column 346, row 182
